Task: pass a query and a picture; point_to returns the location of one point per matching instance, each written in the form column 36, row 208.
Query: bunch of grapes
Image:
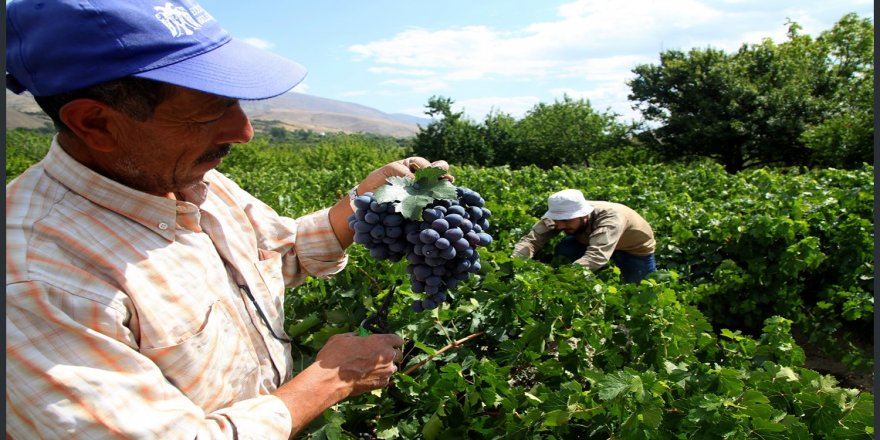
column 440, row 250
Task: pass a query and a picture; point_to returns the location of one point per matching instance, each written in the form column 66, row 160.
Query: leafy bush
column 567, row 132
column 701, row 349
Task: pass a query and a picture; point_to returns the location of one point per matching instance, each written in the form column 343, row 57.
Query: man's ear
column 92, row 122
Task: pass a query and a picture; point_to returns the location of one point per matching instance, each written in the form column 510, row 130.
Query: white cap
column 567, row 204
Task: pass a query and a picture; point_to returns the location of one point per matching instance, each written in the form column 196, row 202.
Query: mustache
column 218, row 153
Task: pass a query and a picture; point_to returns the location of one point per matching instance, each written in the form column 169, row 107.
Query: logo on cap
column 179, row 21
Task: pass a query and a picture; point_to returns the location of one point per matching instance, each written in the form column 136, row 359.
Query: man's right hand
column 364, row 362
column 346, row 366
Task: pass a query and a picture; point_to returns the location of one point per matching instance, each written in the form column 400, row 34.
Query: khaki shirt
column 612, row 227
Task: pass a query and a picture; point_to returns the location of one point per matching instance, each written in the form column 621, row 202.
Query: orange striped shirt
column 125, row 315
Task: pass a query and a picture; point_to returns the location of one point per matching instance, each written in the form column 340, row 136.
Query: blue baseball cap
column 58, row 46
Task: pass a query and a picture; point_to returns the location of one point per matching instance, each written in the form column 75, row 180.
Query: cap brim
column 235, row 70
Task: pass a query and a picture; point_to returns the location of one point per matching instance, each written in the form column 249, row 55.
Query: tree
column 278, row 134
column 451, row 136
column 789, row 87
column 566, row 132
column 845, row 138
column 499, row 135
column 700, row 103
column 766, row 104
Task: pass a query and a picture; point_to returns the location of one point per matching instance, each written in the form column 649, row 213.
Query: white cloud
column 603, row 97
column 258, row 42
column 591, row 47
column 404, row 72
column 580, row 42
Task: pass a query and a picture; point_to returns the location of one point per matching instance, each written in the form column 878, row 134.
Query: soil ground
column 818, row 361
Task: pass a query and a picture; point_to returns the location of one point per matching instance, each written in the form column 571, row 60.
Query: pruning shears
column 378, row 322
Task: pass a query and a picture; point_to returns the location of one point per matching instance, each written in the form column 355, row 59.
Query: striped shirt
column 612, row 227
column 127, row 315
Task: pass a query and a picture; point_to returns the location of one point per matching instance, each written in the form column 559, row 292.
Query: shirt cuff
column 259, row 418
column 319, row 250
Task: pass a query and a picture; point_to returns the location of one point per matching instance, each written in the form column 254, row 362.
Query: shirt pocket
column 212, row 366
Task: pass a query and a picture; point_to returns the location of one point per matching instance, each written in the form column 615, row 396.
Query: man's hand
column 346, row 366
column 378, row 177
column 403, row 167
column 363, row 363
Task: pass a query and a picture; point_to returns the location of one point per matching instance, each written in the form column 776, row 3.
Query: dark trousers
column 633, row 268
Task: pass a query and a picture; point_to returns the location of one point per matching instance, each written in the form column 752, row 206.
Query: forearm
column 309, row 394
column 339, row 214
column 596, row 256
column 530, row 244
column 523, row 248
column 348, row 365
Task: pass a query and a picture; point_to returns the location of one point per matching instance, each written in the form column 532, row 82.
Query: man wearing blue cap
column 597, row 233
column 144, row 290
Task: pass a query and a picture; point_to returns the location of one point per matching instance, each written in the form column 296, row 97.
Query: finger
column 398, row 357
column 416, row 163
column 440, row 164
column 390, row 339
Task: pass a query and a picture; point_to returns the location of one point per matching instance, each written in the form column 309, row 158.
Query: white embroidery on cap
column 178, row 20
column 201, row 15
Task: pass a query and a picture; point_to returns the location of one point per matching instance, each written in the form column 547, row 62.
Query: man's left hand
column 403, row 168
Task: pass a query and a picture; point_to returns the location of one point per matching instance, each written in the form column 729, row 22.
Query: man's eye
column 216, row 115
column 204, row 119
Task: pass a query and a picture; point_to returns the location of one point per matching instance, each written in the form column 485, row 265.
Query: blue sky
column 503, row 55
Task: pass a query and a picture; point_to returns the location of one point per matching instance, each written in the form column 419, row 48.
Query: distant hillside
column 291, row 111
column 22, row 111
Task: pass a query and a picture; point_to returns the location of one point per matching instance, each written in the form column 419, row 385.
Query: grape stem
column 451, row 345
column 372, row 280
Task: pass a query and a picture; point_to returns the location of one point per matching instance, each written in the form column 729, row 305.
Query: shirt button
column 163, row 226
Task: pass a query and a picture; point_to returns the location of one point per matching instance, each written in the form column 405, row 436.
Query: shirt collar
column 156, row 213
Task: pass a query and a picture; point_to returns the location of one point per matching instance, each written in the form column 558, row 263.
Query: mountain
column 291, row 111
column 22, row 111
column 298, row 110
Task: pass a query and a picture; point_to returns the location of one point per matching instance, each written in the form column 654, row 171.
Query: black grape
column 440, row 247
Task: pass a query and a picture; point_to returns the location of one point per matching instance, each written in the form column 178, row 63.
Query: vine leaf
column 409, row 195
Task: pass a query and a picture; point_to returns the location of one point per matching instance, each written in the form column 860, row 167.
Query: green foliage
column 800, row 102
column 702, row 348
column 567, row 132
column 23, row 149
column 451, row 136
column 565, row 356
column 334, row 164
column 410, row 195
column 845, row 137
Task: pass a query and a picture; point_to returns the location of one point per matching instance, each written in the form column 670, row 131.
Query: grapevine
column 435, row 226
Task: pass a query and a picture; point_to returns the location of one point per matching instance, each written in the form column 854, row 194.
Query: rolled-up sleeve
column 317, row 248
column 602, row 242
column 538, row 237
column 307, row 244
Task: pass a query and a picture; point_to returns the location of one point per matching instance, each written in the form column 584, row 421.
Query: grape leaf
column 410, row 194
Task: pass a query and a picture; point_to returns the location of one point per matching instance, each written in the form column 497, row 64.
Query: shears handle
column 378, row 322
